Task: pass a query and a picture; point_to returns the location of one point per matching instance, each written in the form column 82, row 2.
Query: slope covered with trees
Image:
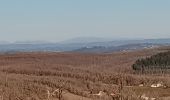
column 159, row 61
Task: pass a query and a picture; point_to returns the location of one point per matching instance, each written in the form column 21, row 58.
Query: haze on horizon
column 58, row 20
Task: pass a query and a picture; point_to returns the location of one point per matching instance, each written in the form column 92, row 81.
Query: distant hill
column 31, row 42
column 93, row 45
column 86, row 40
column 128, row 47
column 92, row 41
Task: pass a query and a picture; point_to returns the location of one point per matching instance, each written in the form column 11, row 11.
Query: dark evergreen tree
column 159, row 61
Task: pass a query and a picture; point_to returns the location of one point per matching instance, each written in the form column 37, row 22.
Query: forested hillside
column 158, row 61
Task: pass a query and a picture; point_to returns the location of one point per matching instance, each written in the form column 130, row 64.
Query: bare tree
column 58, row 93
column 120, row 88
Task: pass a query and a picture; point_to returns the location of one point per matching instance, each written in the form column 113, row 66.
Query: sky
column 58, row 20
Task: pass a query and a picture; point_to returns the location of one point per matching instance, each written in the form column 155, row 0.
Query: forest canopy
column 158, row 61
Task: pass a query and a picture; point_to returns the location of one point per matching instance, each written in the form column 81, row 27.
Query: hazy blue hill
column 83, row 45
column 102, row 49
column 86, row 40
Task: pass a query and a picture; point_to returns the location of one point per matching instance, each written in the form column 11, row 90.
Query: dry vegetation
column 30, row 76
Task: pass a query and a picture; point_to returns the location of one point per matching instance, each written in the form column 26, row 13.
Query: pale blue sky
column 57, row 20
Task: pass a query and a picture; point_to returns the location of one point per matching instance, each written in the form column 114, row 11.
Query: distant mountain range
column 92, row 45
column 86, row 40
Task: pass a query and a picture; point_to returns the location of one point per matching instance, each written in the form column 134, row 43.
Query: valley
column 29, row 75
